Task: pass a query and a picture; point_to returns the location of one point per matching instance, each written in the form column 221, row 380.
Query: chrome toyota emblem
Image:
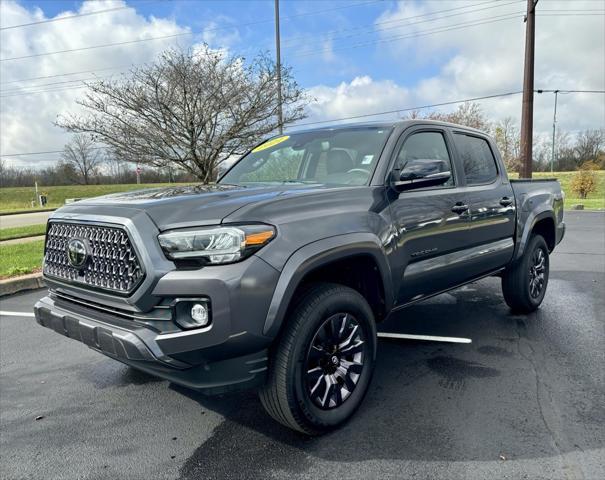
column 76, row 252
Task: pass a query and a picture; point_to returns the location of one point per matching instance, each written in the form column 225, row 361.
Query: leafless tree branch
column 189, row 110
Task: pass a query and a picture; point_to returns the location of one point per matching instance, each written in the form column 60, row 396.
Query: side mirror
column 420, row 173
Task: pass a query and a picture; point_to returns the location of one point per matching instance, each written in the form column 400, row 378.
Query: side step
column 429, row 338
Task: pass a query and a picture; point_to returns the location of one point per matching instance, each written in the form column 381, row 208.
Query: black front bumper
column 144, row 348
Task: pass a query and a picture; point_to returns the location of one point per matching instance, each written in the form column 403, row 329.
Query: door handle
column 459, row 208
column 506, row 201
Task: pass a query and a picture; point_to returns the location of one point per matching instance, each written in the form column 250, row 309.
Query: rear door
column 431, row 223
column 490, row 200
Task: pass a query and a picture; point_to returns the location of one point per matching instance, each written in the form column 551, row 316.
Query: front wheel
column 524, row 284
column 322, row 366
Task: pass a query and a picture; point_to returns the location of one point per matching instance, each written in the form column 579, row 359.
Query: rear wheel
column 524, row 284
column 322, row 366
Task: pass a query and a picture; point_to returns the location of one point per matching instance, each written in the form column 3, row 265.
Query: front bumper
column 142, row 348
column 139, row 330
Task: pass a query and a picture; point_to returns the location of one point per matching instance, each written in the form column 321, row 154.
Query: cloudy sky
column 355, row 57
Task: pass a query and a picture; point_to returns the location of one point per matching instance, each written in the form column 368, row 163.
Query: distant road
column 23, row 219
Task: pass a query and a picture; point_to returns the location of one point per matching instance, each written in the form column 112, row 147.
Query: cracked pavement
column 526, row 399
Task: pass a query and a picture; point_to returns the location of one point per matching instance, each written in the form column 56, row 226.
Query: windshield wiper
column 233, row 185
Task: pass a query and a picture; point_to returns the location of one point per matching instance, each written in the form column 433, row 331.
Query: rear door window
column 477, row 158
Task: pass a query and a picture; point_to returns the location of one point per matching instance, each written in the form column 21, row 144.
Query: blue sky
column 350, row 19
column 355, row 57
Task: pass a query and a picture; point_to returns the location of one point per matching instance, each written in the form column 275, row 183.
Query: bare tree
column 83, row 156
column 3, row 172
column 468, row 114
column 589, row 144
column 508, row 139
column 191, row 110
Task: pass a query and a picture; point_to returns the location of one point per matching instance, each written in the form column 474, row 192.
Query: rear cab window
column 477, row 159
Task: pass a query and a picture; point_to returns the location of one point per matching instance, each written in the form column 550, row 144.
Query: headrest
column 339, row 161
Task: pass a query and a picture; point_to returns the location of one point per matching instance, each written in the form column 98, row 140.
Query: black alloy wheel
column 335, row 361
column 537, row 271
column 321, row 365
column 524, row 282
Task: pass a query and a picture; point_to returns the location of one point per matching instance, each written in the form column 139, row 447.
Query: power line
column 569, row 91
column 24, row 89
column 409, row 109
column 309, row 53
column 164, row 37
column 48, row 152
column 50, row 90
column 471, row 23
column 353, row 117
column 442, row 104
column 93, row 47
column 290, row 17
column 404, row 19
column 64, row 74
column 414, row 35
column 69, row 17
column 424, row 21
column 330, row 35
column 289, row 39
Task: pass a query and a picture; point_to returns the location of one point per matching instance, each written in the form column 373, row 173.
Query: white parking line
column 16, row 314
column 429, row 338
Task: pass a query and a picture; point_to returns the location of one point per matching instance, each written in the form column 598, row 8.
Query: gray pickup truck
column 275, row 277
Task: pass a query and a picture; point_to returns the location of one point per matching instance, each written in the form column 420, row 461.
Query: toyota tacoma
column 275, row 277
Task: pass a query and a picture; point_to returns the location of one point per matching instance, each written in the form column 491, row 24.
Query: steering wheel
column 359, row 170
column 360, row 177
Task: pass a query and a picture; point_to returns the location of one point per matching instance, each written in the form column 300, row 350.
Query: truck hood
column 194, row 205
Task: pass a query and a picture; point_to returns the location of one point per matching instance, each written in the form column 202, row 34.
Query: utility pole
column 278, row 64
column 554, row 129
column 527, row 110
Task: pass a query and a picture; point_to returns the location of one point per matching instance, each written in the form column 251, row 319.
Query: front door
column 431, row 223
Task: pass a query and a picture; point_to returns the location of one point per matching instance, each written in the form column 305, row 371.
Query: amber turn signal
column 259, row 238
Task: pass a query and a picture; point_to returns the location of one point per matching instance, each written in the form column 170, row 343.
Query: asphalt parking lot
column 526, row 399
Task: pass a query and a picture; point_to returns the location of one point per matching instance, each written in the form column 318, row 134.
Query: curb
column 21, row 212
column 32, row 281
column 29, row 238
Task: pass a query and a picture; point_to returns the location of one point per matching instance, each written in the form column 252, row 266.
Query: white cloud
column 362, row 95
column 464, row 63
column 26, row 120
column 482, row 60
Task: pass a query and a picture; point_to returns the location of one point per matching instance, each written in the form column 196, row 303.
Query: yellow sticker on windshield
column 271, row 143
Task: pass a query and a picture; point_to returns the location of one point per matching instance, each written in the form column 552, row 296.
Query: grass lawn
column 22, row 232
column 19, row 198
column 595, row 200
column 21, row 258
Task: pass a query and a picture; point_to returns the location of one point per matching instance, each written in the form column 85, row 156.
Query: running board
column 429, row 338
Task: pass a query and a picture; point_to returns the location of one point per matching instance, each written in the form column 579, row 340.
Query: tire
column 524, row 284
column 311, row 387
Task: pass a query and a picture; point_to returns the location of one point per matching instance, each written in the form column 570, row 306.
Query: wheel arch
column 326, row 256
column 543, row 223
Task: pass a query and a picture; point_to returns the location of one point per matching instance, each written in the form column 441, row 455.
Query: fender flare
column 532, row 219
column 316, row 254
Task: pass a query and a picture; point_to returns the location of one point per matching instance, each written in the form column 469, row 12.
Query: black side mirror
column 420, row 173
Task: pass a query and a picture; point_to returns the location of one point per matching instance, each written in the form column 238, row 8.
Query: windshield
column 343, row 156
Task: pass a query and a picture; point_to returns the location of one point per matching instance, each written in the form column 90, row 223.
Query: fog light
column 199, row 314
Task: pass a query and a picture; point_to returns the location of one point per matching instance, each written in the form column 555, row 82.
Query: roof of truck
column 384, row 124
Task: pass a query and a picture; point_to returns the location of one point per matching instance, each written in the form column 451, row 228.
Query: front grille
column 111, row 262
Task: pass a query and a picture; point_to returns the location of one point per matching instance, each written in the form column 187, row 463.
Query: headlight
column 216, row 245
